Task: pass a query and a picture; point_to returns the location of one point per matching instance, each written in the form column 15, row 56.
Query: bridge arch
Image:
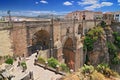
column 68, row 53
column 40, row 40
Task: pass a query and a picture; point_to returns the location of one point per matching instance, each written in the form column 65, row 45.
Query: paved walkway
column 38, row 72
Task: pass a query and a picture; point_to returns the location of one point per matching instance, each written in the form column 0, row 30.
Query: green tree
column 9, row 61
column 103, row 24
column 88, row 43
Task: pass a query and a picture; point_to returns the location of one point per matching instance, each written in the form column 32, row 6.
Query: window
column 117, row 15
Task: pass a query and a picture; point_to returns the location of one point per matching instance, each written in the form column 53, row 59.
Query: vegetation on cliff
column 91, row 37
column 101, row 71
column 89, row 72
column 113, row 46
column 53, row 63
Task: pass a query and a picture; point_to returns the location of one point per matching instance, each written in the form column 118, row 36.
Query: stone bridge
column 61, row 39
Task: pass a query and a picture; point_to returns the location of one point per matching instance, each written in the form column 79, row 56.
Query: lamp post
column 71, row 70
column 46, row 64
column 8, row 12
column 57, row 68
column 51, row 37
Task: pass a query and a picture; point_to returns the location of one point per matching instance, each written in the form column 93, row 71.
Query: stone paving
column 38, row 72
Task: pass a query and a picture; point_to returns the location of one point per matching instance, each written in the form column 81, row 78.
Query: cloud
column 92, row 7
column 94, row 4
column 36, row 2
column 98, row 5
column 119, row 1
column 106, row 4
column 87, row 2
column 44, row 2
column 32, row 13
column 67, row 3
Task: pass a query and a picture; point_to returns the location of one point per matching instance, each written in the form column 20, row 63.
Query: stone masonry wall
column 5, row 43
column 18, row 36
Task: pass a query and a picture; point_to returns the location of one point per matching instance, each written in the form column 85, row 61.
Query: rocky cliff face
column 99, row 53
column 100, row 50
column 105, row 49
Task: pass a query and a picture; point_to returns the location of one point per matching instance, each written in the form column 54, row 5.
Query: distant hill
column 50, row 16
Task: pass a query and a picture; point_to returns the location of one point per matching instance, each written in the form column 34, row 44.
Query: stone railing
column 46, row 67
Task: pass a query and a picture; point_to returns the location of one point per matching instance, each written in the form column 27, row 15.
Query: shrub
column 64, row 67
column 104, row 69
column 24, row 65
column 52, row 62
column 103, row 24
column 97, row 76
column 101, row 67
column 117, row 39
column 91, row 37
column 87, row 69
column 88, row 43
column 111, row 48
column 9, row 61
column 41, row 60
column 115, row 60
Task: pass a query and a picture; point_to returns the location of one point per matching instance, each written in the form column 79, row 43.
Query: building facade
column 84, row 15
column 98, row 15
column 117, row 16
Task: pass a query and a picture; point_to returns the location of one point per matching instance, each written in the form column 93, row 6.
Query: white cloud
column 106, row 4
column 67, row 3
column 36, row 2
column 43, row 1
column 98, row 5
column 93, row 4
column 92, row 7
column 87, row 2
column 32, row 13
column 119, row 1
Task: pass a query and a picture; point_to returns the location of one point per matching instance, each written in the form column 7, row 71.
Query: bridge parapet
column 4, row 25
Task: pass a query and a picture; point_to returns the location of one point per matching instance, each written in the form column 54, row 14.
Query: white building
column 88, row 15
column 117, row 16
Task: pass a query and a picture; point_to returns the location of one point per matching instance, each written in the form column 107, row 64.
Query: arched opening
column 80, row 29
column 68, row 53
column 40, row 40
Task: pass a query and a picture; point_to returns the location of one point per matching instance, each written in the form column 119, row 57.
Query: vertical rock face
column 100, row 54
column 5, row 43
column 100, row 51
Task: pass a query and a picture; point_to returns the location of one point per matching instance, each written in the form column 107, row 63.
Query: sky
column 37, row 7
